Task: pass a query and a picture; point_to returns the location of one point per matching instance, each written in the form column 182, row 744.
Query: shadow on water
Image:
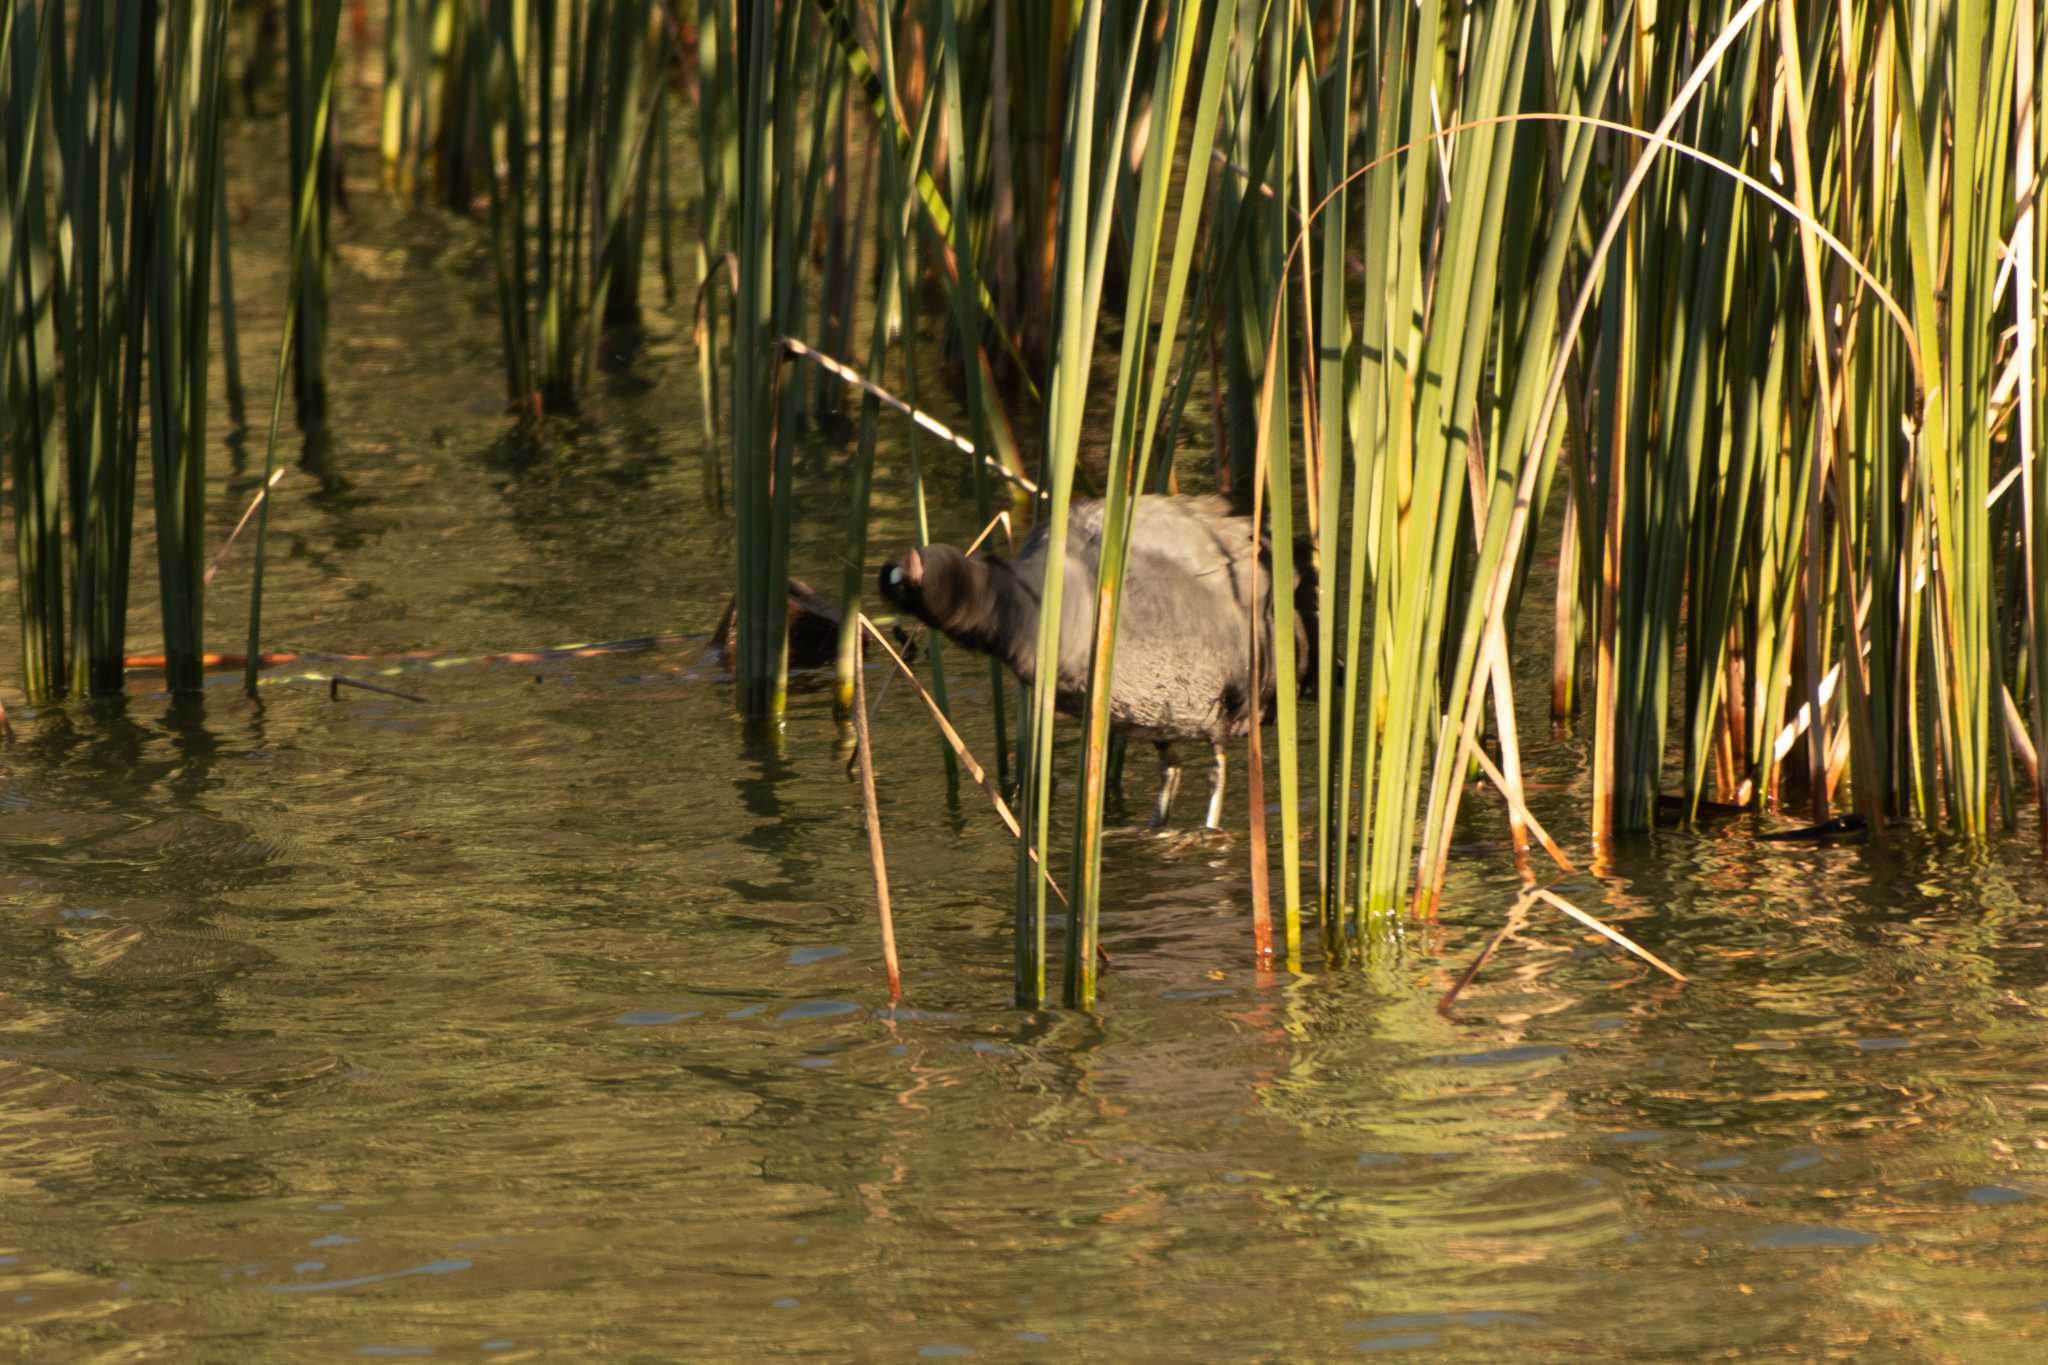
column 109, row 748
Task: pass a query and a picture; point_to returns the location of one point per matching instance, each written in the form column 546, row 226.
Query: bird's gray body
column 1183, row 661
column 1183, row 655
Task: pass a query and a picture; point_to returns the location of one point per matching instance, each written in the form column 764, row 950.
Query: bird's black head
column 902, row 583
column 971, row 601
column 939, row 586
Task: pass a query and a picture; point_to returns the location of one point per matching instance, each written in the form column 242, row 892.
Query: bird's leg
column 1215, row 820
column 1169, row 782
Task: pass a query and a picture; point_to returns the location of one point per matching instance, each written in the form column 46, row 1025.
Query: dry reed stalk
column 1519, row 812
column 1613, row 935
column 2016, row 734
column 876, row 855
column 846, row 374
column 1518, row 914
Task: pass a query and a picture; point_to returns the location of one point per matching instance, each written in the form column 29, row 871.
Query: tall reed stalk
column 768, row 105
column 430, row 135
column 1083, row 234
column 1143, row 373
column 180, row 350
column 28, row 327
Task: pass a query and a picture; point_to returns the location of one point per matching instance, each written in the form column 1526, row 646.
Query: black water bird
column 1183, row 663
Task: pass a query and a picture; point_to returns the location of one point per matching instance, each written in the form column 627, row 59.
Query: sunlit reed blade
column 180, row 341
column 1141, row 391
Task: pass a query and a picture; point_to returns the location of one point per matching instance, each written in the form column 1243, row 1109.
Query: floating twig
column 336, row 682
column 1820, row 833
column 155, row 663
column 873, row 812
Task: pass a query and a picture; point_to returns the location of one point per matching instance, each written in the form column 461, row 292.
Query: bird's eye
column 895, row 574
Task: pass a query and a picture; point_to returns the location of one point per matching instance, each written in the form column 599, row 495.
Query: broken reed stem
column 1518, row 914
column 846, row 374
column 1520, row 811
column 1614, row 935
column 2016, row 733
column 876, row 855
column 967, row 760
column 1001, row 519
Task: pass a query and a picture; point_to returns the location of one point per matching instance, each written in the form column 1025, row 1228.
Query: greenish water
column 546, row 1021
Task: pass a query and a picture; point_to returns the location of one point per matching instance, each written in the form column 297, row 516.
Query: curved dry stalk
column 1660, row 140
column 700, row 332
column 1494, row 600
column 700, row 337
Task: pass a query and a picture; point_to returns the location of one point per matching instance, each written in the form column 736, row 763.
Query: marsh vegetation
column 1719, row 325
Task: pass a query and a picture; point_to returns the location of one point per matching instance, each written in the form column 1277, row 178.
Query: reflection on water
column 547, row 1021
